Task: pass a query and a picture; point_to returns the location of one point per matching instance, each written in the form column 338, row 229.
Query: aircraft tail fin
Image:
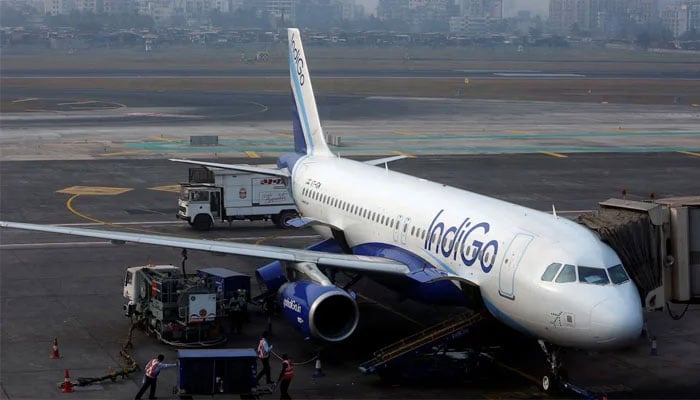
column 308, row 133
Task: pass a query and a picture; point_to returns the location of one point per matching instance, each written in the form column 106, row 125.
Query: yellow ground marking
column 401, row 153
column 553, row 154
column 266, row 238
column 124, row 153
column 391, row 310
column 405, row 133
column 27, row 99
column 252, row 154
column 690, row 153
column 167, row 188
column 162, row 138
column 69, row 205
column 285, row 135
column 72, row 144
column 94, row 190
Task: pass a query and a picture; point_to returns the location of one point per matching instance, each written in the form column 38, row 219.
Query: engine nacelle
column 325, row 312
column 270, row 277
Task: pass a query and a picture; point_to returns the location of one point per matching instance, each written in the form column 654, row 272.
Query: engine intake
column 325, row 312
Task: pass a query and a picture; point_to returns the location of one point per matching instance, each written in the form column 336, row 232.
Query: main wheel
column 282, row 218
column 202, row 222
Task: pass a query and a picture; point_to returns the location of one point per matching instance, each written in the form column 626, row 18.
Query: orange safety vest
column 151, row 368
column 288, row 371
column 261, row 349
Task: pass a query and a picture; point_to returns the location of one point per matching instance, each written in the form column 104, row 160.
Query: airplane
column 542, row 275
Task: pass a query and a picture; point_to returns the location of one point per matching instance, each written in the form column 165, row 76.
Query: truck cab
column 137, row 289
column 200, row 205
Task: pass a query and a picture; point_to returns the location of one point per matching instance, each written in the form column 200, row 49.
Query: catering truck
column 214, row 195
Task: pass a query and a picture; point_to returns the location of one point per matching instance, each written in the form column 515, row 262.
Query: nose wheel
column 552, row 381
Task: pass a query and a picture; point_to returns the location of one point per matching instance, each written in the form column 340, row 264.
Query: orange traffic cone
column 67, row 386
column 54, row 349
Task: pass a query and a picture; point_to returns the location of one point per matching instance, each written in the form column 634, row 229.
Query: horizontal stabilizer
column 237, row 167
column 384, row 160
column 300, row 222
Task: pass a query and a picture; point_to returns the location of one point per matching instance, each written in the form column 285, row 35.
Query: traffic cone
column 67, row 386
column 54, row 349
column 318, row 372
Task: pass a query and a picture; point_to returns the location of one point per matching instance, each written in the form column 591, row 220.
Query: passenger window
column 567, row 274
column 551, row 272
column 618, row 274
column 596, row 276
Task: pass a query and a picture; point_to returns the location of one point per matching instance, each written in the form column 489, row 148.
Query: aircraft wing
column 237, row 167
column 347, row 261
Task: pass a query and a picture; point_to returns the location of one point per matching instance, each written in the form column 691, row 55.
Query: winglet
column 308, row 133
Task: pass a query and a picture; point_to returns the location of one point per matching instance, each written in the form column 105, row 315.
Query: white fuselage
column 501, row 247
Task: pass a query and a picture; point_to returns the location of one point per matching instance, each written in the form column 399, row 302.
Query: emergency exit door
column 509, row 264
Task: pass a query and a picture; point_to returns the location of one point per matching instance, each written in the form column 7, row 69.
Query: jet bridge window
column 596, row 276
column 551, row 272
column 618, row 274
column 567, row 274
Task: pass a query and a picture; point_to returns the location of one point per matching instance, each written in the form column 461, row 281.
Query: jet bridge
column 659, row 244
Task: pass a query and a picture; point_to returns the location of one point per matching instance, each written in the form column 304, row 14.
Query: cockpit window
column 551, row 272
column 595, row 276
column 567, row 274
column 618, row 274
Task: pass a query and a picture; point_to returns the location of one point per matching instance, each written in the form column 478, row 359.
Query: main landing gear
column 553, row 380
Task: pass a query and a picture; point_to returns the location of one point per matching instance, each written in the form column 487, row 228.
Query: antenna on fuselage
column 554, row 211
column 386, row 167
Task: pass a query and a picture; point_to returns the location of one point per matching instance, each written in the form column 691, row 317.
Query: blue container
column 227, row 282
column 211, row 371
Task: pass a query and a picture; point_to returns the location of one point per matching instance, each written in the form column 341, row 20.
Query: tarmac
column 107, row 167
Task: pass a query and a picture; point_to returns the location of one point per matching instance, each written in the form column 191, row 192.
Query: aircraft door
column 397, row 223
column 509, row 264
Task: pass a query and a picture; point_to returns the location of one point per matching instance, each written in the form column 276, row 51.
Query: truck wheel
column 202, row 222
column 284, row 216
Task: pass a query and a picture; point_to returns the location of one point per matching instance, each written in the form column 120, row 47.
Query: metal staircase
column 444, row 331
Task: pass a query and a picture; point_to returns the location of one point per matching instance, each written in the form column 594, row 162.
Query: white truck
column 214, row 194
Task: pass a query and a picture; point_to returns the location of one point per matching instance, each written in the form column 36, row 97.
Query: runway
column 93, row 124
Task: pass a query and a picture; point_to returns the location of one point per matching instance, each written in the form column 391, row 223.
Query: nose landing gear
column 554, row 380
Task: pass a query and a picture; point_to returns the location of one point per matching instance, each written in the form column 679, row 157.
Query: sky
column 510, row 7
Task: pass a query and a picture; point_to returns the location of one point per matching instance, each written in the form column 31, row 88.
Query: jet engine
column 326, row 312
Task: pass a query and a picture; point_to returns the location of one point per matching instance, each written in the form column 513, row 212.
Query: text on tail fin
column 308, row 133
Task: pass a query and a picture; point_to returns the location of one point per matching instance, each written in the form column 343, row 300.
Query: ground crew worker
column 235, row 309
column 150, row 377
column 286, row 376
column 264, row 349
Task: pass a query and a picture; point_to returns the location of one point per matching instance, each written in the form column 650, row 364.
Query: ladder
column 446, row 330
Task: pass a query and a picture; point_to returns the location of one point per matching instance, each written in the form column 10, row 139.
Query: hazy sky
column 510, row 7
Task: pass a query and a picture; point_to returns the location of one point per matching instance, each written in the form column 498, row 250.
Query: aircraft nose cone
column 616, row 323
